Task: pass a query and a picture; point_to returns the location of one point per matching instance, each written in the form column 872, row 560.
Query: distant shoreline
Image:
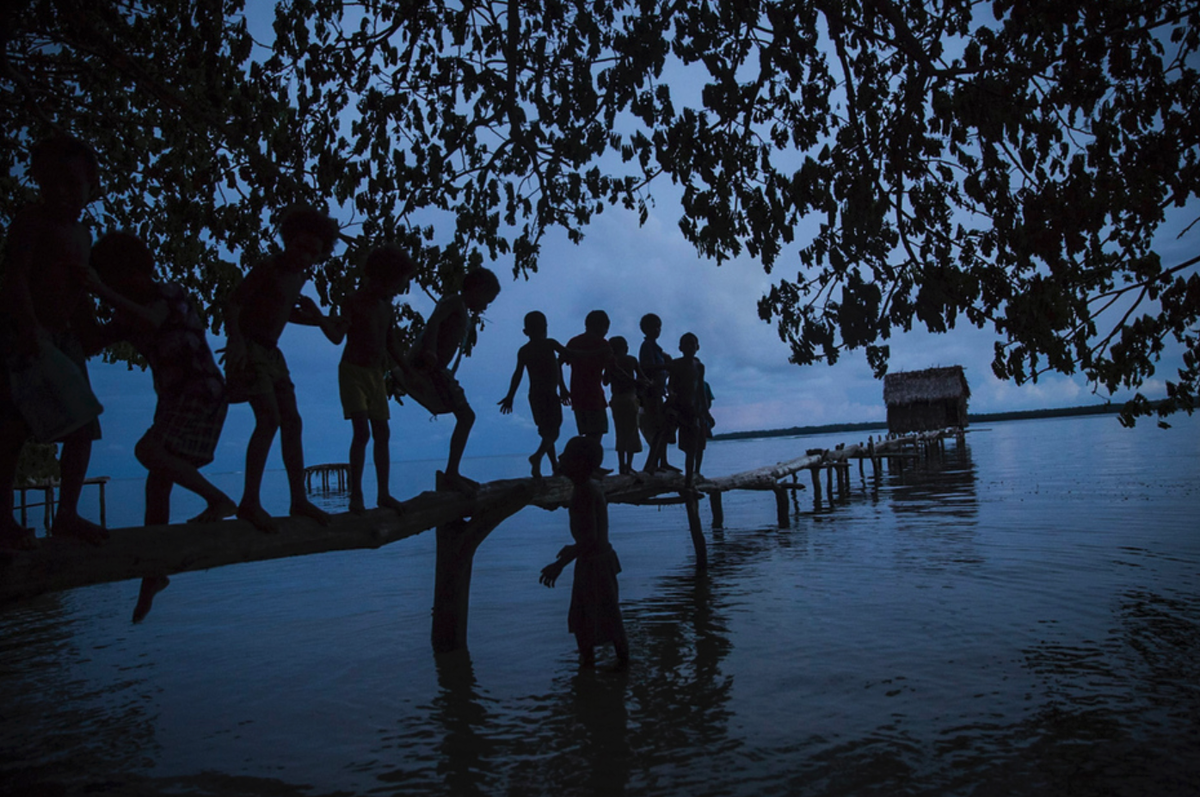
column 982, row 417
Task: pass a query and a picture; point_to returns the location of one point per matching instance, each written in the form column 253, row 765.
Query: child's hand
column 566, row 399
column 308, row 311
column 505, row 405
column 550, row 574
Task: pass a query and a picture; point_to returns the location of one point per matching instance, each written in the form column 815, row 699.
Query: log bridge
column 461, row 524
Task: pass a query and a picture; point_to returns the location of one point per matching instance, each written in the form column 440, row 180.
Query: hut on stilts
column 922, row 401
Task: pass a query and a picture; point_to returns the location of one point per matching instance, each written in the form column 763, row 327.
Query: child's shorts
column 362, row 391
column 547, row 413
column 592, row 422
column 263, row 371
column 625, row 421
column 189, row 426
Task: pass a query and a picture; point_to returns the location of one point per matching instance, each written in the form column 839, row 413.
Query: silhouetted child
column 589, row 356
column 258, row 310
column 595, row 614
column 625, row 377
column 441, row 342
column 654, row 422
column 160, row 320
column 41, row 310
column 547, row 392
column 371, row 337
column 687, row 405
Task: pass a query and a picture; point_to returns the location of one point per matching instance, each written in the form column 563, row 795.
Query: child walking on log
column 258, row 310
column 442, row 340
column 590, row 357
column 160, row 320
column 595, row 614
column 687, row 405
column 41, row 312
column 368, row 326
column 655, row 426
column 626, row 378
column 547, row 391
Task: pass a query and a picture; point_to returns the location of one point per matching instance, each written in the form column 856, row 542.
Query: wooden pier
column 461, row 524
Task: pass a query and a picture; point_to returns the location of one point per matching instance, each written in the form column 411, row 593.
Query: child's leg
column 587, row 655
column 464, row 419
column 73, row 464
column 12, row 536
column 291, row 430
column 266, row 423
column 383, row 465
column 158, row 493
column 158, row 513
column 164, row 465
column 358, row 457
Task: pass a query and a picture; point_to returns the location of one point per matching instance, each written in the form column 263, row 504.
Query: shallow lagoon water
column 1018, row 616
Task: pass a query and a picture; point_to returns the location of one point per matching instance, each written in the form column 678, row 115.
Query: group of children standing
column 48, row 329
column 659, row 395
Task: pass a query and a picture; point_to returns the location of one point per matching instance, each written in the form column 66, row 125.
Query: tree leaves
column 908, row 163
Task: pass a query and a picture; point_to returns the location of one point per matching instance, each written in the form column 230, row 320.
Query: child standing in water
column 45, row 271
column 370, row 339
column 547, row 391
column 258, row 310
column 595, row 614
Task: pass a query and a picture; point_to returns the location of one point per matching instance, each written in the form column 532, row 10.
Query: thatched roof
column 932, row 384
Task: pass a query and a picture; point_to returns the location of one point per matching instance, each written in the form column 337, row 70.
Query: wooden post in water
column 457, row 542
column 718, row 511
column 693, row 515
column 781, row 508
column 816, row 480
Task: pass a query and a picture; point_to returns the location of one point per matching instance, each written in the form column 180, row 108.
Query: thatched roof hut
column 919, row 401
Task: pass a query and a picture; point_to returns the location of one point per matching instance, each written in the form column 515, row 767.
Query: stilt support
column 457, row 542
column 693, row 514
column 718, row 511
column 781, row 508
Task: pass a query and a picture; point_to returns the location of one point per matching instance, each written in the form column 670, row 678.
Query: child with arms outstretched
column 547, row 391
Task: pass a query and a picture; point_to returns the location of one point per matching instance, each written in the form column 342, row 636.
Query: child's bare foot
column 535, row 465
column 670, row 467
column 258, row 517
column 458, row 483
column 388, row 502
column 15, row 538
column 80, row 529
column 306, row 508
column 357, row 505
column 151, row 586
column 216, row 512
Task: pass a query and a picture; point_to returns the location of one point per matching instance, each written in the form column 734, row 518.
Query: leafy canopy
column 1015, row 165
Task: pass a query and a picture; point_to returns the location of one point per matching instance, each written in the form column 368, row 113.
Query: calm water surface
column 1018, row 616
